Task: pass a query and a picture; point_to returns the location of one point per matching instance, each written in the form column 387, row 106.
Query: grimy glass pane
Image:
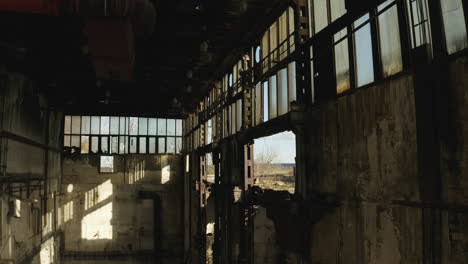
column 95, row 125
column 133, row 145
column 239, row 114
column 105, row 144
column 320, row 15
column 162, row 127
column 161, row 145
column 85, row 125
column 265, row 102
column 142, row 146
column 342, row 63
column 282, row 91
column 179, row 145
column 152, row 145
column 363, row 50
column 454, row 25
column 420, row 32
column 152, row 126
column 123, row 140
column 85, row 144
column 66, row 141
column 232, row 110
column 133, row 126
column 338, row 9
column 114, row 124
column 292, row 81
column 179, row 127
column 76, row 124
column 292, row 26
column 390, row 46
column 258, row 103
column 209, row 132
column 273, row 43
column 115, row 145
column 123, row 126
column 171, row 129
column 94, row 144
column 75, row 141
column 273, row 96
column 170, row 144
column 105, row 125
column 142, row 126
column 283, row 34
column 67, row 125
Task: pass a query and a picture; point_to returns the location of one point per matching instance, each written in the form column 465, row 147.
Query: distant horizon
column 283, row 144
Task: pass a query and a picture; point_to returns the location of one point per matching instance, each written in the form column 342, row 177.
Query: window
column 273, row 107
column 419, row 22
column 258, row 54
column 109, row 135
column 454, row 25
column 107, row 164
column 320, row 14
column 342, row 61
column 323, row 12
column 282, row 91
column 389, row 33
column 265, row 101
column 363, row 52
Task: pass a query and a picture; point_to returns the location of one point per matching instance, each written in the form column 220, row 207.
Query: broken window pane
column 105, row 125
column 133, row 126
column 179, row 145
column 123, row 144
column 179, row 127
column 170, row 144
column 107, row 164
column 454, row 25
column 123, row 126
column 265, row 102
column 389, row 33
column 95, row 125
column 282, row 91
column 342, row 62
column 363, row 52
column 320, row 15
column 76, row 124
column 152, row 145
column 162, row 127
column 85, row 144
column 161, row 145
column 133, row 145
column 67, row 125
column 152, row 126
column 142, row 126
column 142, row 149
column 171, row 129
column 114, row 145
column 85, row 125
column 105, row 144
column 338, row 9
column 114, row 124
column 94, row 144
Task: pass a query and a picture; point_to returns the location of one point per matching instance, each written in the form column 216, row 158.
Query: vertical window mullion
column 404, row 34
column 351, row 56
column 378, row 75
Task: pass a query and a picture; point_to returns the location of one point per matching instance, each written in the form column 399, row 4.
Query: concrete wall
column 29, row 153
column 104, row 213
column 363, row 149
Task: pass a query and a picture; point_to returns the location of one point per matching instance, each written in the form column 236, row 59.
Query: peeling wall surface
column 30, row 172
column 135, row 211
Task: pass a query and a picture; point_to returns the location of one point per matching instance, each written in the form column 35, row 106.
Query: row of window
column 122, row 135
column 368, row 49
column 115, row 125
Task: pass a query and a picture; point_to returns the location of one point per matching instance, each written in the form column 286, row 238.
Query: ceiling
column 203, row 37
